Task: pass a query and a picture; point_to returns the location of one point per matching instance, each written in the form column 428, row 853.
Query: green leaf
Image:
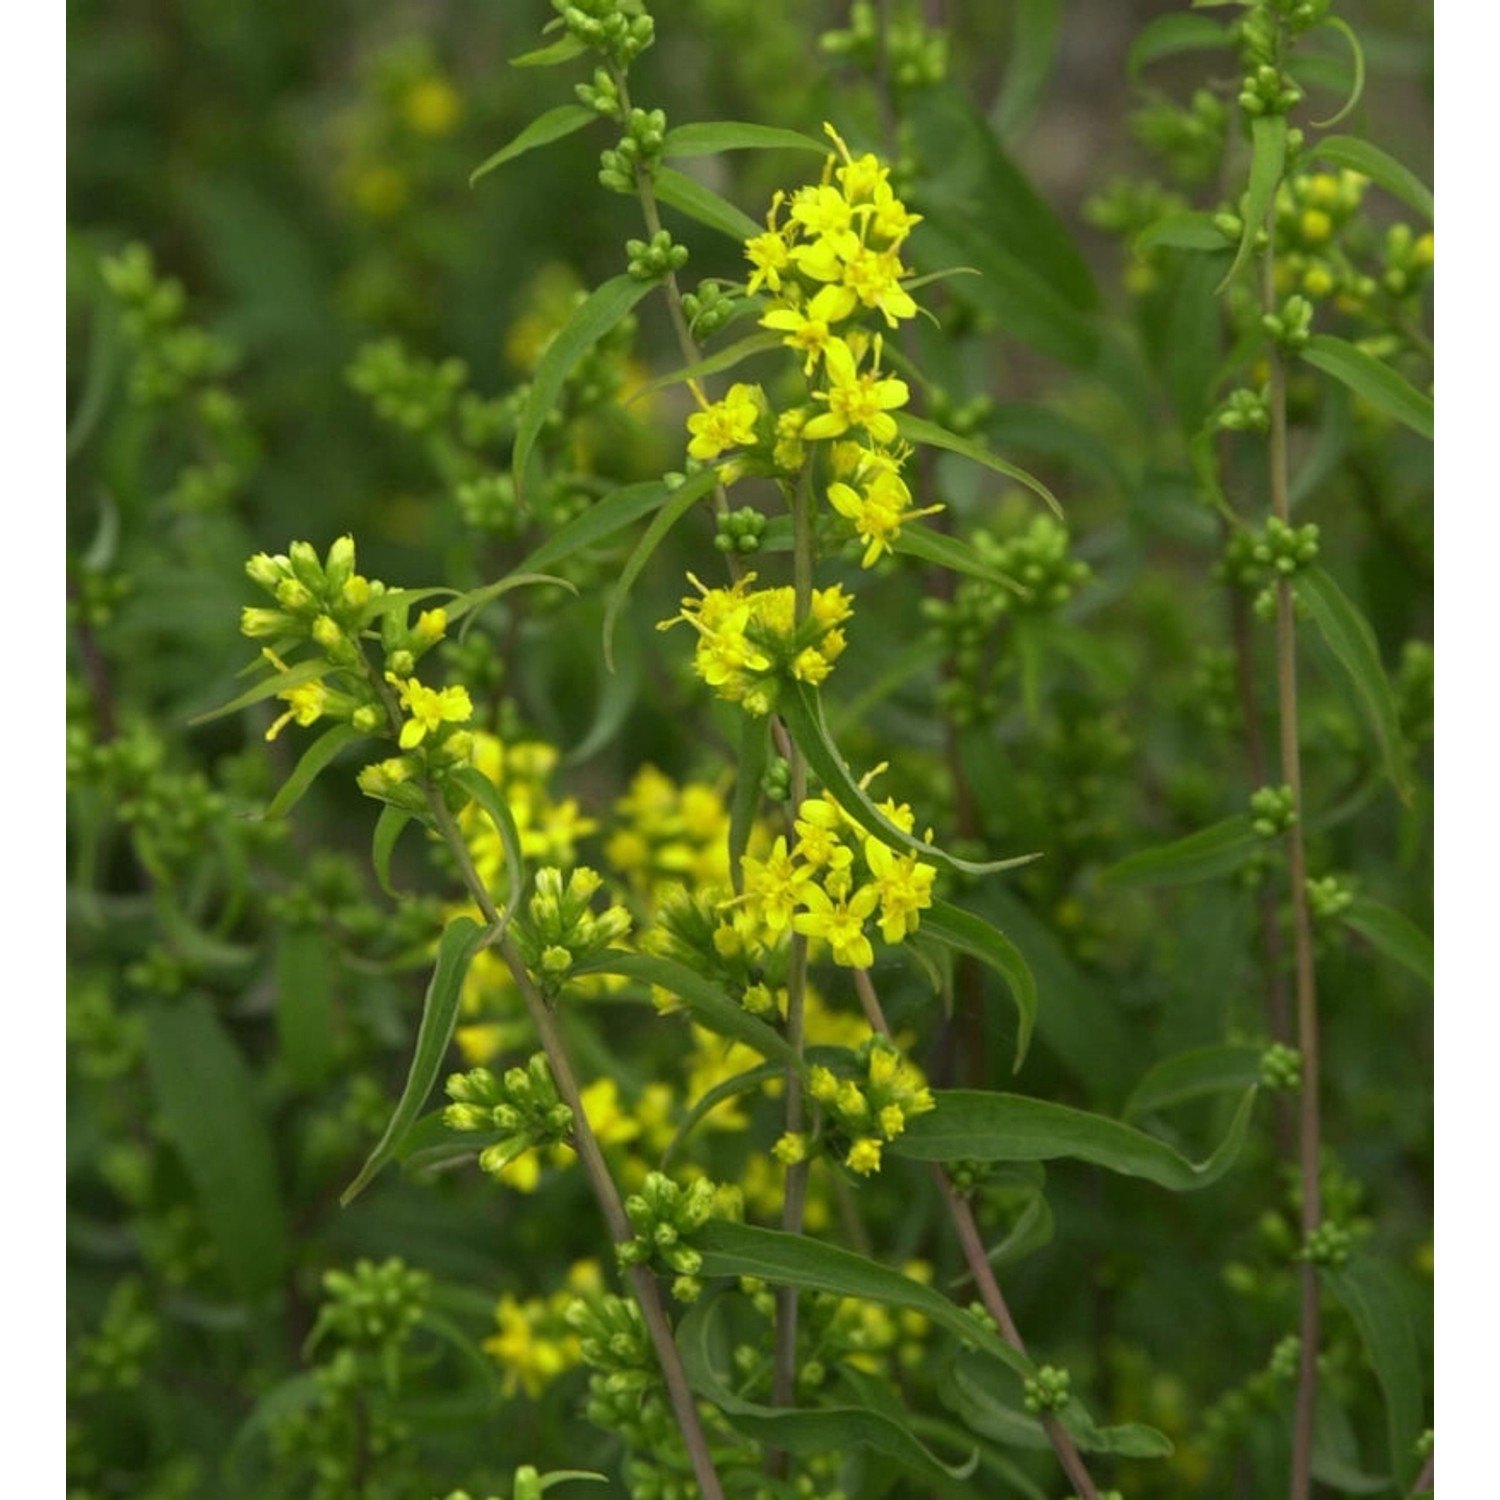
column 1394, row 935
column 802, row 710
column 1200, row 856
column 488, row 796
column 604, row 307
column 564, row 49
column 1353, row 645
column 618, row 695
column 969, row 934
column 815, row 1266
column 1184, row 231
column 1170, row 35
column 706, row 137
column 1357, row 90
column 206, row 1095
column 103, row 366
column 821, row 1430
column 687, row 195
column 755, row 756
column 467, row 606
column 552, row 126
column 1380, row 167
column 970, row 1125
column 682, row 500
column 388, row 827
column 724, row 359
column 1376, row 381
column 930, row 435
column 304, row 1004
column 462, row 938
column 1370, row 1292
column 314, row 761
column 277, row 682
column 1267, row 161
column 1204, row 1071
column 1033, row 53
column 709, row 1004
column 952, row 553
column 619, row 509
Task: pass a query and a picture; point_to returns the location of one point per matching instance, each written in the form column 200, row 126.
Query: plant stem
column 1306, row 982
column 591, row 1158
column 983, row 1273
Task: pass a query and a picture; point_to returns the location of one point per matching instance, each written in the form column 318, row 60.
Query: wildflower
column 430, row 708
column 308, row 702
column 904, row 885
column 856, row 400
column 878, row 512
column 864, row 1156
column 729, row 423
column 840, row 923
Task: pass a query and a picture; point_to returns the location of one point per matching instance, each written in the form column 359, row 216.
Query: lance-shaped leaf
column 823, row 1429
column 682, row 500
column 619, row 509
column 966, row 933
column 604, row 307
column 1352, row 642
column 1373, row 379
column 268, row 687
column 713, row 364
column 466, row 607
column 552, row 126
column 1357, row 87
column 1184, row 231
column 388, row 828
column 1200, row 856
column 1267, row 161
column 1033, row 54
column 1379, row 166
column 930, row 435
column 976, row 1126
column 954, row 554
column 488, row 796
column 564, row 49
column 1396, row 936
column 802, row 710
column 687, row 195
column 709, row 1005
column 462, row 938
column 705, row 137
column 1194, row 1075
column 314, row 761
column 1171, row 35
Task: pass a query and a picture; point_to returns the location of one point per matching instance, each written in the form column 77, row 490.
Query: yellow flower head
column 430, row 708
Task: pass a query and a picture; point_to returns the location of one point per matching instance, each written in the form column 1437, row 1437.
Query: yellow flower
column 856, row 400
column 430, row 708
column 864, row 1157
column 307, row 704
column 905, row 887
column 431, row 107
column 729, row 423
column 840, row 923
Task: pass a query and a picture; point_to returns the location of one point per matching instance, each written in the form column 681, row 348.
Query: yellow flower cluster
column 668, row 835
column 863, row 1117
column 749, row 641
column 534, row 1344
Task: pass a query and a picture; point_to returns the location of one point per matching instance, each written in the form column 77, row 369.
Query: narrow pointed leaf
column 467, row 606
column 677, row 506
column 277, row 682
column 1184, row 231
column 1033, row 54
column 724, row 359
column 1394, row 935
column 962, row 930
column 705, row 137
column 564, row 49
column 1352, row 641
column 600, row 312
column 388, row 828
column 619, row 509
column 1356, row 91
column 304, row 1004
column 720, row 1093
column 816, row 1266
column 1373, row 379
column 1267, row 161
column 1200, row 856
column 689, row 196
column 970, row 1125
column 708, row 1004
column 552, row 126
column 488, row 796
column 954, row 554
column 1194, row 1075
column 930, row 435
column 1379, row 166
column 802, row 710
column 462, row 938
column 755, row 756
column 1170, row 35
column 315, row 760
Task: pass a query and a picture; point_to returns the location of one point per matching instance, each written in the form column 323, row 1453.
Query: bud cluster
column 372, row 1306
column 522, row 1106
column 1281, row 1067
column 560, row 931
column 861, row 1117
column 1273, row 810
column 665, row 1217
column 620, row 29
column 1049, row 1390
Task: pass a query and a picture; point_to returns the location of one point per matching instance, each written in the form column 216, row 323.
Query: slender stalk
column 1308, row 1132
column 978, row 1262
column 1423, row 1485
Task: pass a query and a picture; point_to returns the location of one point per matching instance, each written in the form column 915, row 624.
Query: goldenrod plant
column 766, row 953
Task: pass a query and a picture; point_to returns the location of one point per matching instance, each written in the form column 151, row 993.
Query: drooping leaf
column 1379, row 166
column 1357, row 89
column 564, row 49
column 1033, row 54
column 205, row 1094
column 304, row 1003
column 966, row 933
column 755, row 756
column 1200, row 856
column 462, row 938
column 619, row 692
column 313, row 762
column 552, row 126
column 388, row 828
column 930, row 435
column 1194, row 1075
column 467, row 606
column 706, row 137
column 1396, row 936
column 1352, row 642
column 1172, row 34
column 971, row 1125
column 713, row 364
column 1370, row 1292
column 952, row 553
column 1376, row 381
column 619, row 509
column 1183, row 231
column 709, row 1005
column 1267, row 161
column 677, row 506
column 802, row 710
column 604, row 307
column 277, row 682
column 687, row 195
column 497, row 809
